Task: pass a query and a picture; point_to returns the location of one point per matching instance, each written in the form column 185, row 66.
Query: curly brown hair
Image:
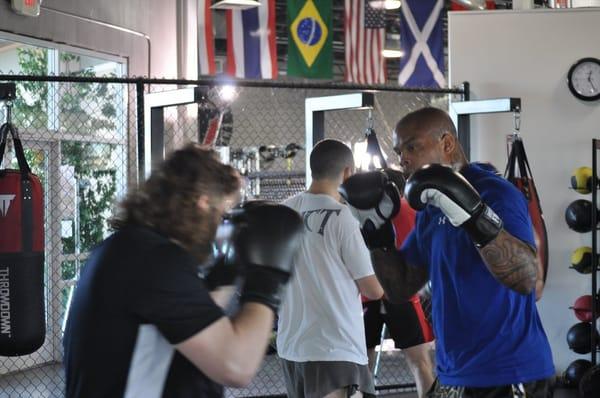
column 168, row 201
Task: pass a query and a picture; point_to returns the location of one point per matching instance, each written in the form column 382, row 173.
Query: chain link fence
column 76, row 140
column 83, row 137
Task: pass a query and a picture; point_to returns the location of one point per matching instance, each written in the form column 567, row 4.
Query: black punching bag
column 519, row 173
column 22, row 317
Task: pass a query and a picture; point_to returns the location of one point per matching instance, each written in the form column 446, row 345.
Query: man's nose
column 404, row 161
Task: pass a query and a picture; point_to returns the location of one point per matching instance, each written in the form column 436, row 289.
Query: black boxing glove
column 374, row 200
column 383, row 237
column 221, row 269
column 446, row 189
column 268, row 236
column 222, row 272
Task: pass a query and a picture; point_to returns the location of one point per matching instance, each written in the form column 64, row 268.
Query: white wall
column 9, row 60
column 527, row 54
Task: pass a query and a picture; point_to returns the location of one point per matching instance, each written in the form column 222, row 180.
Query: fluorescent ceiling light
column 392, row 53
column 385, row 4
column 235, row 4
column 392, row 47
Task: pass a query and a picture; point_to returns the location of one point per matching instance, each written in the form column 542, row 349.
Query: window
column 75, row 139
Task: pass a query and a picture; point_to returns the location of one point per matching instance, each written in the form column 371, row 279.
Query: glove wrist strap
column 483, row 227
column 264, row 285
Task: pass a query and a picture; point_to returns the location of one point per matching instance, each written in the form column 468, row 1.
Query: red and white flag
column 364, row 29
column 206, row 39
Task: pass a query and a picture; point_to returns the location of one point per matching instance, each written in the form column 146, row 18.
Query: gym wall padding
column 527, row 55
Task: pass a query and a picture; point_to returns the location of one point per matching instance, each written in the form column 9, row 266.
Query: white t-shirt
column 321, row 318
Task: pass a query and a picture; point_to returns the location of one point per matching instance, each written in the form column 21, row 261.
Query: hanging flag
column 422, row 42
column 364, row 29
column 251, row 50
column 206, row 39
column 310, row 43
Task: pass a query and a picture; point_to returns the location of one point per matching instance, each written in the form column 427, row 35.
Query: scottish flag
column 422, row 41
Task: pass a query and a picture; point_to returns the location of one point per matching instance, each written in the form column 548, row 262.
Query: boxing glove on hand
column 222, row 272
column 374, row 199
column 268, row 236
column 446, row 189
column 222, row 269
column 383, row 237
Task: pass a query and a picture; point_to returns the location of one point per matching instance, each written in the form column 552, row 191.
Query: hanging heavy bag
column 22, row 318
column 518, row 163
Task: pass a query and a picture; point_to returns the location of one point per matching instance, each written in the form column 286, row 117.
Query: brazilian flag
column 310, row 43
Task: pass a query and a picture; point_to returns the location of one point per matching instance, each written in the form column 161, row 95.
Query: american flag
column 364, row 37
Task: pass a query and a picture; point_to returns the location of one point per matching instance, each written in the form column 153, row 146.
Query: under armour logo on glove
column 5, row 204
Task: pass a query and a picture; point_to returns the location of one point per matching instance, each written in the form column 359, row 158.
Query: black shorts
column 406, row 323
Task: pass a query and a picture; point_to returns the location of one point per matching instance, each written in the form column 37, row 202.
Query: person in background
column 406, row 322
column 320, row 337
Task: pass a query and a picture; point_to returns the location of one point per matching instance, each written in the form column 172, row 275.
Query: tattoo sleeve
column 399, row 280
column 512, row 262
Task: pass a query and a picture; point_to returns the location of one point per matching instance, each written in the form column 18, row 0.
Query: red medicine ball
column 583, row 308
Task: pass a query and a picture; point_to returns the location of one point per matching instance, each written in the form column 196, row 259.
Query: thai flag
column 206, row 39
column 251, row 50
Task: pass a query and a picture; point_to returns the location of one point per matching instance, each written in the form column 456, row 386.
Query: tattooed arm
column 400, row 280
column 512, row 262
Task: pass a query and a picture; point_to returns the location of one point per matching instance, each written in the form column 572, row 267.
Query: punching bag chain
column 370, row 123
column 517, row 120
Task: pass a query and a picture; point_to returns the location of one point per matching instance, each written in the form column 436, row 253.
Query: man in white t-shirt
column 321, row 335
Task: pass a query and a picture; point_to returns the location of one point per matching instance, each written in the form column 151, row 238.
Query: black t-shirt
column 138, row 295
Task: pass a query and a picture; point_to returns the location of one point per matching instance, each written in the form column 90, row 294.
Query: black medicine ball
column 575, row 371
column 579, row 215
column 589, row 385
column 578, row 337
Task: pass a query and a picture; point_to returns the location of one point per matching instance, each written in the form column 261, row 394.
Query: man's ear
column 347, row 173
column 203, row 203
column 448, row 142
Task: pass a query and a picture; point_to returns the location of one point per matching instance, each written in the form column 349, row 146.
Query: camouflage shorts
column 536, row 389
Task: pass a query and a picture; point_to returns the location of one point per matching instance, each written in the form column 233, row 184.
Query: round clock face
column 584, row 79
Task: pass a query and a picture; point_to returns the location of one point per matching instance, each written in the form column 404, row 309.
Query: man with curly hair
column 143, row 323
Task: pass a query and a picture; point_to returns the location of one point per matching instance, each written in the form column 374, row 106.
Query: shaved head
column 429, row 120
column 329, row 158
column 427, row 136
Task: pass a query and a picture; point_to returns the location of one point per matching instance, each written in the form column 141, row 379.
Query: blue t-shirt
column 486, row 334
